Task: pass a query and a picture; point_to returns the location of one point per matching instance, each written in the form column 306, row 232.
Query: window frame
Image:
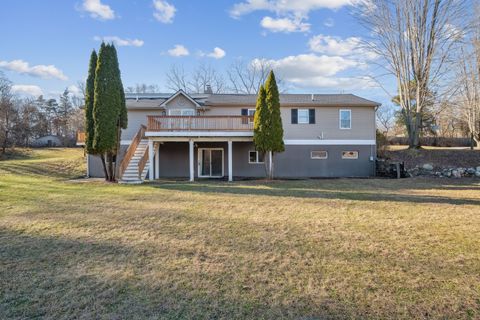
column 253, row 115
column 307, row 116
column 348, row 158
column 181, row 112
column 318, row 158
column 340, row 119
column 257, row 156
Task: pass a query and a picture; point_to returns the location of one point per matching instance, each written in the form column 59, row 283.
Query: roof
column 293, row 99
column 156, row 100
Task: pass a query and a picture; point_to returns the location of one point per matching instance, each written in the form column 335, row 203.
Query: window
column 345, row 119
column 303, row 116
column 349, row 154
column 255, row 157
column 319, row 154
column 181, row 112
column 251, row 113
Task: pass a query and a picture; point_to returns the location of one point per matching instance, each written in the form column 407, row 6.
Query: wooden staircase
column 131, row 173
column 135, row 163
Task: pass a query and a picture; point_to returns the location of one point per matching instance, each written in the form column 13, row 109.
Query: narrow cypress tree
column 105, row 110
column 275, row 128
column 261, row 123
column 89, row 98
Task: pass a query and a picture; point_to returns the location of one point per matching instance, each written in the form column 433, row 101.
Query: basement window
column 255, row 157
column 349, row 154
column 319, row 154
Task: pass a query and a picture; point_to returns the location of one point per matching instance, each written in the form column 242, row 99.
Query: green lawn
column 321, row 249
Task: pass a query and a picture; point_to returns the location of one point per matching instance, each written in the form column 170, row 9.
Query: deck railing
column 200, row 123
column 80, row 138
column 143, row 162
column 131, row 151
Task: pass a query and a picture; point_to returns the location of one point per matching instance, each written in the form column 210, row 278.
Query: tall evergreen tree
column 89, row 98
column 275, row 128
column 105, row 110
column 261, row 122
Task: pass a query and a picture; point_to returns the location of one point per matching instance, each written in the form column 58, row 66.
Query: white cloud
column 98, row 10
column 217, row 53
column 120, row 41
column 329, row 23
column 285, row 7
column 27, row 89
column 311, row 70
column 164, row 11
column 178, row 51
column 286, row 25
column 352, row 47
column 42, row 71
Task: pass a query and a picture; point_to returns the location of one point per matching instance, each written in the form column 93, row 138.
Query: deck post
column 150, row 159
column 157, row 161
column 230, row 169
column 190, row 148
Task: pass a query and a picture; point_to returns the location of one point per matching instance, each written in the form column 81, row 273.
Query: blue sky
column 312, row 44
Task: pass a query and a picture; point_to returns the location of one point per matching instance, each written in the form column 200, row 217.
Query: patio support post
column 150, row 160
column 190, row 147
column 157, row 161
column 230, row 169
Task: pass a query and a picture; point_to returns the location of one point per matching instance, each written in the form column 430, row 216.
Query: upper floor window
column 181, row 112
column 251, row 113
column 303, row 116
column 345, row 119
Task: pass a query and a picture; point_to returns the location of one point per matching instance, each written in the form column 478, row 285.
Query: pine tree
column 89, row 98
column 275, row 128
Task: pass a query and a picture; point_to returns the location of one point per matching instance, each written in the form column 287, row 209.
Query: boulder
column 427, row 166
column 477, row 174
column 456, row 174
column 471, row 170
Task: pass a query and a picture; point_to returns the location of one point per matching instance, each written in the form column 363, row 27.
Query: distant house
column 211, row 136
column 48, row 141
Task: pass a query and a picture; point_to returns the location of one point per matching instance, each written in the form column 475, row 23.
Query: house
column 48, row 141
column 211, row 136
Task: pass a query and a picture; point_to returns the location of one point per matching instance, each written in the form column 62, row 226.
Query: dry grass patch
column 288, row 249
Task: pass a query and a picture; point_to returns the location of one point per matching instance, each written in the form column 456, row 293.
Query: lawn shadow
column 56, row 277
column 337, row 190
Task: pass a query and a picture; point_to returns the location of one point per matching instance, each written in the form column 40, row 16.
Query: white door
column 210, row 162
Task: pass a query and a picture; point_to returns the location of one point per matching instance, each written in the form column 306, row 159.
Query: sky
column 313, row 45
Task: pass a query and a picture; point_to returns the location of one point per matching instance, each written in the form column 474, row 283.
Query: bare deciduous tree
column 7, row 111
column 416, row 41
column 247, row 77
column 385, row 119
column 177, row 79
column 205, row 76
column 469, row 83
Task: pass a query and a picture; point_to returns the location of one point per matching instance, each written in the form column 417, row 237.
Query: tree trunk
column 117, row 151
column 111, row 171
column 102, row 157
column 5, row 142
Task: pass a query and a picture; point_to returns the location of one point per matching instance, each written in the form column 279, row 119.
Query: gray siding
column 295, row 162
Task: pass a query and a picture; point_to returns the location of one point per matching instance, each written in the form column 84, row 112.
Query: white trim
column 256, row 158
column 230, row 161
column 200, row 139
column 200, row 162
column 182, row 112
column 164, row 104
column 190, row 155
column 151, row 164
column 329, row 142
column 199, row 134
column 125, row 142
column 340, row 119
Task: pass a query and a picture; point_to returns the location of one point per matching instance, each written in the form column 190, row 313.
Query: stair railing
column 131, row 150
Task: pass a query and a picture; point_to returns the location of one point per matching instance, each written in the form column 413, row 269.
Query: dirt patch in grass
column 438, row 157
